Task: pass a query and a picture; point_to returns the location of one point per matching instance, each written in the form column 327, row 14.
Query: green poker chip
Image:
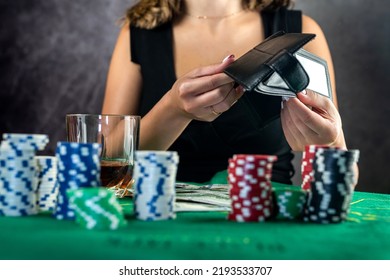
column 96, row 208
column 290, row 201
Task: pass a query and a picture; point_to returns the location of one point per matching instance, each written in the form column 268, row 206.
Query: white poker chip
column 154, row 185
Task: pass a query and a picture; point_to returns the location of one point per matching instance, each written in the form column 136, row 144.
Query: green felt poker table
column 204, row 235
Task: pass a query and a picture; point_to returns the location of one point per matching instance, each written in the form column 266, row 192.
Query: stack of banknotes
column 202, row 197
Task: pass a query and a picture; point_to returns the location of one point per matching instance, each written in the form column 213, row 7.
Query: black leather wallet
column 279, row 66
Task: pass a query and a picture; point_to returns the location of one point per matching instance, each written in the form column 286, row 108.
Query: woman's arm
column 194, row 96
column 311, row 118
column 124, row 79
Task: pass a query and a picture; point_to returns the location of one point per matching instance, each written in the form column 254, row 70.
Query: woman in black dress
column 167, row 66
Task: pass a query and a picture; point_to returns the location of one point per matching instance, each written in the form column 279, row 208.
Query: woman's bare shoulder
column 309, row 25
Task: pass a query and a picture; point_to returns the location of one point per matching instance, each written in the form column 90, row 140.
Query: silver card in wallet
column 315, row 67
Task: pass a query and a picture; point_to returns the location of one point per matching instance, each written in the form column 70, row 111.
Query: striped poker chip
column 47, row 182
column 78, row 165
column 18, row 184
column 36, row 142
column 331, row 185
column 250, row 190
column 96, row 208
column 18, row 173
column 290, row 202
column 154, row 185
column 307, row 163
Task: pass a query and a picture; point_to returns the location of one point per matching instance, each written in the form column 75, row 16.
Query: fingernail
column 304, row 92
column 228, row 57
column 239, row 89
column 282, row 104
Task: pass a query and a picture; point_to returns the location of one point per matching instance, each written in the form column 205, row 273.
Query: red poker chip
column 244, row 186
column 252, row 207
column 306, row 168
column 308, row 157
column 250, row 178
column 251, row 174
column 245, row 183
column 242, row 198
column 250, row 168
column 249, row 201
column 248, row 215
column 241, row 218
column 250, row 193
column 248, row 183
column 255, row 157
column 307, row 162
column 251, row 215
column 307, row 173
column 247, row 212
column 258, row 173
column 261, row 193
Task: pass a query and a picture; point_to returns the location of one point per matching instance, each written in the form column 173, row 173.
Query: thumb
column 313, row 99
column 213, row 69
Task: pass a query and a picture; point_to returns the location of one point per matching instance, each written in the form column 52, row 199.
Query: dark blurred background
column 55, row 55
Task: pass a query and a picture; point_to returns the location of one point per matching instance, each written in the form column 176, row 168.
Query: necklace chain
column 214, row 17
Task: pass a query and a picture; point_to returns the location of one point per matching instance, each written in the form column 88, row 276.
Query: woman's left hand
column 311, row 119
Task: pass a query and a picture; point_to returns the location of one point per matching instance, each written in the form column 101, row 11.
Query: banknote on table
column 212, row 197
column 182, row 206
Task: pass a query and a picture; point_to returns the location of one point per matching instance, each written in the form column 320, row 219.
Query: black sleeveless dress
column 251, row 126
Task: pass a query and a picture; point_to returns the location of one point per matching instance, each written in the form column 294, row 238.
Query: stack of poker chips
column 78, row 166
column 332, row 185
column 96, row 208
column 154, row 188
column 290, row 202
column 19, row 141
column 307, row 164
column 18, row 180
column 250, row 191
column 47, row 182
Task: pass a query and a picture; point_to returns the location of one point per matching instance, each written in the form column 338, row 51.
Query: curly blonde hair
column 149, row 14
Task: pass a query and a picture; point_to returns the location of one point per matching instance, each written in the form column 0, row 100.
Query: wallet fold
column 274, row 54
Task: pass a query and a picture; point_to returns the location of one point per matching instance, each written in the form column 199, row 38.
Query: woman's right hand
column 204, row 93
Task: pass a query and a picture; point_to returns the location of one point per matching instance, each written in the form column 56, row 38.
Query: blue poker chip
column 19, row 174
column 25, row 141
column 154, row 187
column 78, row 166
